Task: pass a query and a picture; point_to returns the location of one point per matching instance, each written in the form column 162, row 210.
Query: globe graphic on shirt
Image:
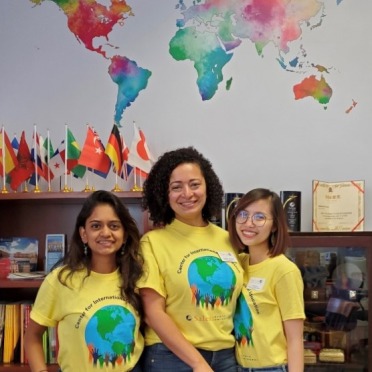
column 110, row 335
column 243, row 322
column 212, row 282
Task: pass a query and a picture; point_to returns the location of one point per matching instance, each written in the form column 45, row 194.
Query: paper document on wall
column 338, row 206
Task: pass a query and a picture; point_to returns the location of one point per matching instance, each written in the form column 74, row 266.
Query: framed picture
column 54, row 250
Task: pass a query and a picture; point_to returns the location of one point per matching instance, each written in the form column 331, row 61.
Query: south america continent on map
column 89, row 20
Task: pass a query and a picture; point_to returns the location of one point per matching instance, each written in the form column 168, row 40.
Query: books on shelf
column 11, row 332
column 23, row 251
column 14, row 320
column 23, row 276
column 54, row 250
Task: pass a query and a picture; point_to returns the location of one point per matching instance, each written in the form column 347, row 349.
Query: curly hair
column 156, row 187
column 279, row 239
column 130, row 264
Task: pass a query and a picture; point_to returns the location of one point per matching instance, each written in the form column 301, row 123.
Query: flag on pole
column 73, row 154
column 7, row 154
column 126, row 168
column 25, row 168
column 15, row 143
column 37, row 158
column 57, row 162
column 93, row 154
column 48, row 149
column 114, row 149
column 139, row 153
column 47, row 173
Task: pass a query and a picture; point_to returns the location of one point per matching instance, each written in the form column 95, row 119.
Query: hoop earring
column 85, row 249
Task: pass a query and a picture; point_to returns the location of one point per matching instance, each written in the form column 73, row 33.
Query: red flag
column 141, row 173
column 6, row 153
column 114, row 149
column 25, row 168
column 93, row 154
column 139, row 154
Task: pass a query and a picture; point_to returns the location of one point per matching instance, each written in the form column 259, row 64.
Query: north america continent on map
column 89, row 20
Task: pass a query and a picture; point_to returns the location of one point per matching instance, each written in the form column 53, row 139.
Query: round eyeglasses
column 258, row 219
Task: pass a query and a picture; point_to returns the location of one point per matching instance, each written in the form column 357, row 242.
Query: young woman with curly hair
column 192, row 276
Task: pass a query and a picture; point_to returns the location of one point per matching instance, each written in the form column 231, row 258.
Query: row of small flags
column 18, row 164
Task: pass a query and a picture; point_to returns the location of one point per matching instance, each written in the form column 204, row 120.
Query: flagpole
column 4, row 190
column 87, row 188
column 135, row 186
column 116, row 188
column 65, row 188
column 48, row 159
column 37, row 189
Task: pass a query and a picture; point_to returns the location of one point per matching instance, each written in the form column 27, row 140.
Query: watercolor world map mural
column 207, row 35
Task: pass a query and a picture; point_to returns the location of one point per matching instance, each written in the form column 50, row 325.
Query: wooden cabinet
column 37, row 214
column 336, row 268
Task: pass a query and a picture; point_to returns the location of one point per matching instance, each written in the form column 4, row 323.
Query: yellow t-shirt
column 273, row 293
column 97, row 329
column 197, row 272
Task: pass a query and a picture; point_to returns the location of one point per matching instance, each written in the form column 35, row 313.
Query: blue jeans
column 282, row 368
column 158, row 358
column 137, row 368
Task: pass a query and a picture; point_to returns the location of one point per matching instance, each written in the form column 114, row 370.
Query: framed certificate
column 54, row 250
column 338, row 206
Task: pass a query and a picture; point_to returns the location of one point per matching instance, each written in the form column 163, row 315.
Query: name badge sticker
column 256, row 283
column 227, row 257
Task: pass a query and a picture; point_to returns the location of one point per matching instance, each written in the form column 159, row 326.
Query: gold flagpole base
column 4, row 190
column 136, row 188
column 66, row 189
column 37, row 189
column 26, row 189
column 116, row 188
column 87, row 189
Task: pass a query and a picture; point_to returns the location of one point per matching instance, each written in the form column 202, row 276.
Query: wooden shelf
column 20, row 283
column 60, row 195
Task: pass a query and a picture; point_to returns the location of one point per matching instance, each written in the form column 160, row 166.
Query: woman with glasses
column 192, row 275
column 269, row 318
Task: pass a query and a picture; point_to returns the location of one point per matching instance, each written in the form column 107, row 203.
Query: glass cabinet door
column 335, row 270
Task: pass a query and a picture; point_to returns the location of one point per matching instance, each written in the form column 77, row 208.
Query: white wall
column 255, row 134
